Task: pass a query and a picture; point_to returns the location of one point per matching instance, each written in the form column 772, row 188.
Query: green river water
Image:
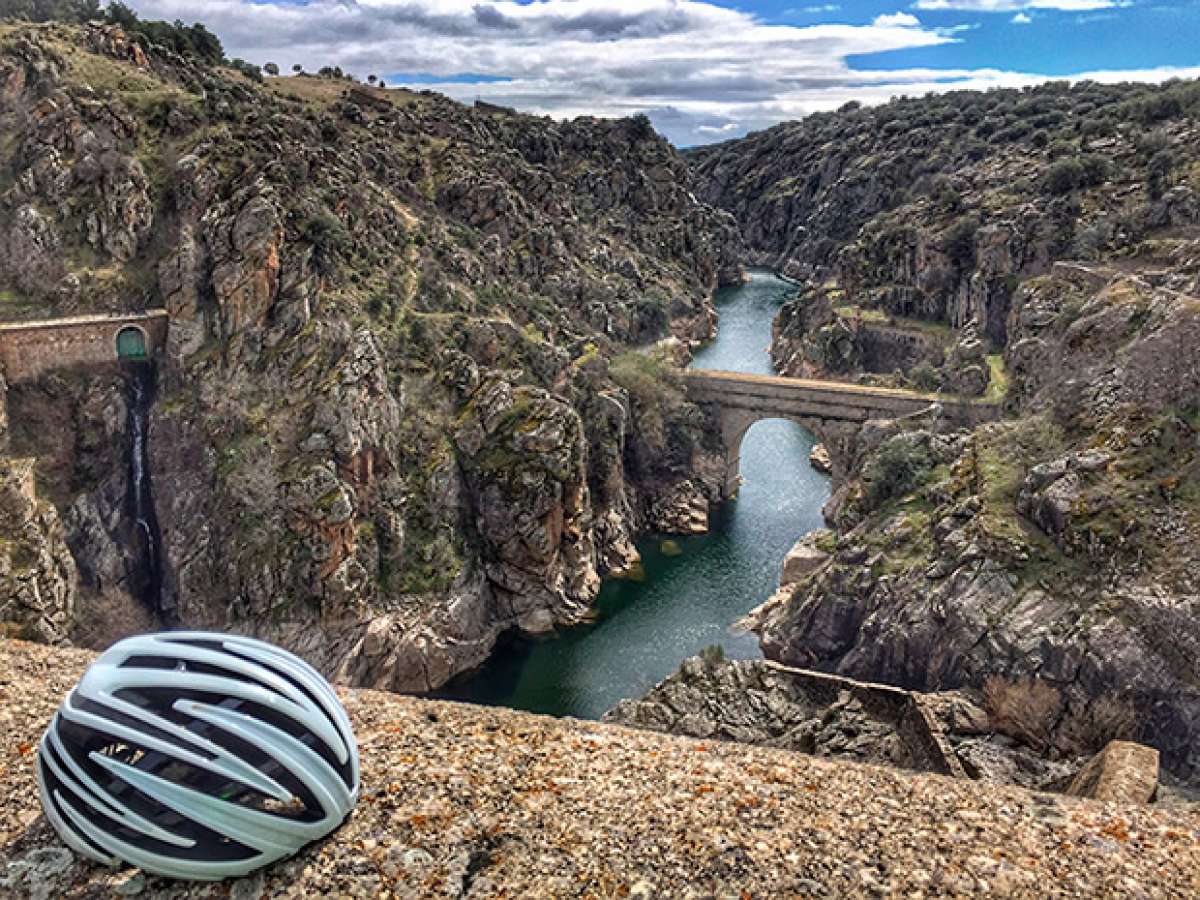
column 685, row 602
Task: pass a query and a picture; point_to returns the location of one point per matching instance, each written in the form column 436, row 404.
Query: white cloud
column 898, row 20
column 702, row 72
column 1021, row 19
column 1012, row 5
column 727, row 128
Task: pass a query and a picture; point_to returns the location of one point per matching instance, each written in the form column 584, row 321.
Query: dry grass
column 1025, row 709
column 326, row 92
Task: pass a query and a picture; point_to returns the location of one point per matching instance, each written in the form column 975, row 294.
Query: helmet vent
column 199, row 756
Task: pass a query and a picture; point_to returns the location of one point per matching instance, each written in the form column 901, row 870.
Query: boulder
column 804, row 557
column 1123, row 771
column 820, row 459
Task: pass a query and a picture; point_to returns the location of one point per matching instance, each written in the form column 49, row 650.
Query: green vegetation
column 1066, row 175
column 899, row 466
column 924, row 377
column 51, row 10
column 998, row 382
column 713, row 655
column 653, row 390
column 329, row 239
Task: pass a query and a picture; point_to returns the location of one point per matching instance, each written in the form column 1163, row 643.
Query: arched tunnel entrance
column 132, row 343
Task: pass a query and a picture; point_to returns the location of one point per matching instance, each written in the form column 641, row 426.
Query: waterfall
column 141, row 490
column 148, row 563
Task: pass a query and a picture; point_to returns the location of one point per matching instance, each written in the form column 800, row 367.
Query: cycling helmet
column 199, row 756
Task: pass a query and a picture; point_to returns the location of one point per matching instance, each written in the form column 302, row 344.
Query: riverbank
column 688, row 590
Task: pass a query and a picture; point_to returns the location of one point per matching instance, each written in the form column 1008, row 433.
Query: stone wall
column 886, row 349
column 29, row 349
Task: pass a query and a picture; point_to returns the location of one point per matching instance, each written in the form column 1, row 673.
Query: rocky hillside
column 396, row 415
column 1040, row 247
column 914, row 223
column 464, row 801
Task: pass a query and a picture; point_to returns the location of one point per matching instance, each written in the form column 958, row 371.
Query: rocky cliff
column 1039, row 246
column 926, row 213
column 386, row 428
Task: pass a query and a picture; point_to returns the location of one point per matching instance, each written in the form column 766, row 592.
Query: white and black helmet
column 199, row 756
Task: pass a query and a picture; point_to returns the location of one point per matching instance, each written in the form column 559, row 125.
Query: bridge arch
column 735, row 424
column 834, row 412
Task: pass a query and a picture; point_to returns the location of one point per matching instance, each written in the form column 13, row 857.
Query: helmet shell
column 198, row 756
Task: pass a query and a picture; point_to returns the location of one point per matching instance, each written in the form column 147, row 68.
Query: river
column 690, row 592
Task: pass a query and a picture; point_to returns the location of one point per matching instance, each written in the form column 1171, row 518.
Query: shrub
column 959, row 242
column 925, row 377
column 1159, row 170
column 51, row 10
column 328, row 237
column 1061, row 148
column 1094, row 168
column 250, row 70
column 1090, row 242
column 1025, row 709
column 653, row 392
column 713, row 655
column 897, row 467
column 1064, row 176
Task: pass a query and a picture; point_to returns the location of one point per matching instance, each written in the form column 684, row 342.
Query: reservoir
column 684, row 601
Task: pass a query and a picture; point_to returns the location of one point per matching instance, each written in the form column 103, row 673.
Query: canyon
column 453, row 399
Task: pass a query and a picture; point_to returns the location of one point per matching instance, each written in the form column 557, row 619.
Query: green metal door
column 131, row 344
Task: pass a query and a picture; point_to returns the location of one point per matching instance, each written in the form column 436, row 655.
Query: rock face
column 756, row 702
column 37, row 573
column 806, row 556
column 1048, row 253
column 949, row 732
column 820, row 459
column 913, row 224
column 390, row 422
column 1061, row 544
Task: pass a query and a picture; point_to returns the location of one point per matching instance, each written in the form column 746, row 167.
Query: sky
column 706, row 70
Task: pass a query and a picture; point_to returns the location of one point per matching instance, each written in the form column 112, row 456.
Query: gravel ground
column 466, row 801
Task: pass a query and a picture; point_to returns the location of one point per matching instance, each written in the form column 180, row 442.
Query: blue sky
column 707, row 70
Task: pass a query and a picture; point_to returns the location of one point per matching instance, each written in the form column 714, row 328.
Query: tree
column 120, row 14
column 297, row 68
column 271, row 69
column 371, row 79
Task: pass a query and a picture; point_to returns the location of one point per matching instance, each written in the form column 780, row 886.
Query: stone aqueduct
column 831, row 410
column 29, row 349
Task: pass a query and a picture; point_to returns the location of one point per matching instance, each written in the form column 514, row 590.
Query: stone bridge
column 29, row 349
column 827, row 408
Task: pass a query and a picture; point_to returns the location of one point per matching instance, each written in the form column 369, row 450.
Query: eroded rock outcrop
column 352, row 288
column 1061, row 544
column 37, row 573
